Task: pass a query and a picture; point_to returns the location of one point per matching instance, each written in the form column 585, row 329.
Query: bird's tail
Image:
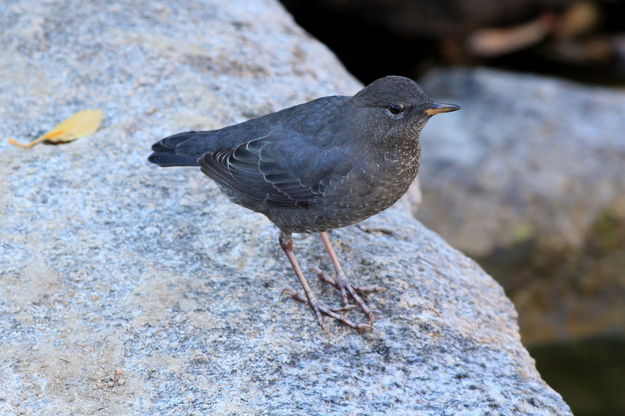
column 169, row 152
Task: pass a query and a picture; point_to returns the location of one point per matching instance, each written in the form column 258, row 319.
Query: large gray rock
column 530, row 179
column 130, row 289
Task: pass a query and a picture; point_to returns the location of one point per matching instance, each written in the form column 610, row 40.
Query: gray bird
column 325, row 164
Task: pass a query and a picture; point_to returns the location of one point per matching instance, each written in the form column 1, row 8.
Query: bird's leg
column 286, row 242
column 341, row 283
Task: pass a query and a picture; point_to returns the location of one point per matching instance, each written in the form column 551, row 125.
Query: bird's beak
column 437, row 108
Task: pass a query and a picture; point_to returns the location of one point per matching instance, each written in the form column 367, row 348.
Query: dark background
column 583, row 41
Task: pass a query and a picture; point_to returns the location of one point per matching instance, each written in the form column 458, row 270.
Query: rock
column 131, row 289
column 529, row 180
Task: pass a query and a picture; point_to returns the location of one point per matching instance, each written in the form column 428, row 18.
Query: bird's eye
column 395, row 108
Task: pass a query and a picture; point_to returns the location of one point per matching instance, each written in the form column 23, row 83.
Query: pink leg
column 342, row 284
column 286, row 242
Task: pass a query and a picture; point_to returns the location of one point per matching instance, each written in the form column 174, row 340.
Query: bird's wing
column 270, row 171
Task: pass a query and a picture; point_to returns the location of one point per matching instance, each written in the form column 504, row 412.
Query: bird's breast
column 377, row 181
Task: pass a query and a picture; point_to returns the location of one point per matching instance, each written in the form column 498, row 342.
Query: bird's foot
column 361, row 290
column 339, row 283
column 331, row 312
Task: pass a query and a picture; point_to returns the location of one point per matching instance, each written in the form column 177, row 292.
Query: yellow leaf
column 80, row 124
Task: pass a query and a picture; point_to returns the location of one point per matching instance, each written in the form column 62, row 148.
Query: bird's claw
column 361, row 290
column 328, row 312
column 354, row 292
column 345, row 308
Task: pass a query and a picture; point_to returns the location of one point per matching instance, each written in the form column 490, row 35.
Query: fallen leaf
column 80, row 124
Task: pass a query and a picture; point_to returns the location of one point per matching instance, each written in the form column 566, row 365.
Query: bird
column 317, row 166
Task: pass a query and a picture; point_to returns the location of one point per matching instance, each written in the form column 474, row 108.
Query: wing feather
column 249, row 170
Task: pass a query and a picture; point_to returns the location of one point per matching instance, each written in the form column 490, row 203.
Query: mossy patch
column 564, row 292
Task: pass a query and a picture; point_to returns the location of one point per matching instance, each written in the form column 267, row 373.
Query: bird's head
column 397, row 107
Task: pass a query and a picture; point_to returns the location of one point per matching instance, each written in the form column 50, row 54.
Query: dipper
column 325, row 164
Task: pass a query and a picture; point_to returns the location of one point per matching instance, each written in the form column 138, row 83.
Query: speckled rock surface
column 133, row 290
column 530, row 180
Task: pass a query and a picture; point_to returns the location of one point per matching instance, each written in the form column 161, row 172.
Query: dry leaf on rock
column 80, row 124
